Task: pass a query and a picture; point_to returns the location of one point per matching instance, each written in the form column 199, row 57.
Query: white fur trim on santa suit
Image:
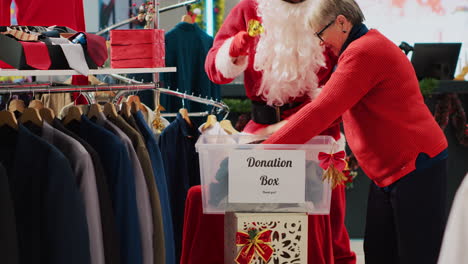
column 224, row 62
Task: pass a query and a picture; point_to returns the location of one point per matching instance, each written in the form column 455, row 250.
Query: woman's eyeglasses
column 319, row 34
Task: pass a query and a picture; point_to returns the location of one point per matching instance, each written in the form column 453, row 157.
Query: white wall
column 414, row 22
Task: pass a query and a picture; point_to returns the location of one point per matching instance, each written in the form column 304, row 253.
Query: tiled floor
column 357, row 247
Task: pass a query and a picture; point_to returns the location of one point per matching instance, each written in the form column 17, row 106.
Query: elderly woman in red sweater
column 389, row 129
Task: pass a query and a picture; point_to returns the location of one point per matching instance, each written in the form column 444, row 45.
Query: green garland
column 428, row 85
column 218, row 10
column 239, row 105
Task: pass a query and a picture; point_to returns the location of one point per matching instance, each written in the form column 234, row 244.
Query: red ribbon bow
column 258, row 244
column 335, row 159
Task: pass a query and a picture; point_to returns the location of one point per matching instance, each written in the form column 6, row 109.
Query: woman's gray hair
column 327, row 10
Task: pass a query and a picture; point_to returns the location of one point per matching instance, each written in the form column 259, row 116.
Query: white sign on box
column 267, row 176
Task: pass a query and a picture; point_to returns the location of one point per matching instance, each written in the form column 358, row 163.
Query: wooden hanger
column 47, row 114
column 31, row 115
column 187, row 19
column 109, row 110
column 94, row 111
column 184, row 113
column 16, row 105
column 227, row 126
column 74, row 113
column 125, row 109
column 8, row 118
column 210, row 122
column 36, row 104
column 136, row 99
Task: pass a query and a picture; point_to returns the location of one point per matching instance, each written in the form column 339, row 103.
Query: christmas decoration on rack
column 254, row 241
column 145, row 13
column 333, row 164
column 157, row 124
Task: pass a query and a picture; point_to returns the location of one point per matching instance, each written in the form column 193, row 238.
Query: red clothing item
column 78, row 98
column 203, row 238
column 68, row 13
column 386, row 121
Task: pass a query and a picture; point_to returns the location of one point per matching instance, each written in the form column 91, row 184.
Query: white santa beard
column 288, row 53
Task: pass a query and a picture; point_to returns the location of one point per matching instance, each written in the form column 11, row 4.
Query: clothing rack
column 218, row 104
column 159, row 10
column 194, row 114
column 122, row 89
column 24, row 88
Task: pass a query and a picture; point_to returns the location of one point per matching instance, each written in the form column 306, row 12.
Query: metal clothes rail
column 122, row 88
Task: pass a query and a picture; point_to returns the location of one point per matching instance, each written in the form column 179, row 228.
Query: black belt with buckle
column 267, row 115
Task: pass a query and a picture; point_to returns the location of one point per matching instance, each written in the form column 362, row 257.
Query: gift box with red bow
column 265, row 238
column 137, row 48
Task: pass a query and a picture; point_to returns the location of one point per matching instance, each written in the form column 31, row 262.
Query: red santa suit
column 328, row 237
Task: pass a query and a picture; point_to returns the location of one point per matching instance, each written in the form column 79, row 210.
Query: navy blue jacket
column 177, row 143
column 161, row 184
column 117, row 166
column 50, row 217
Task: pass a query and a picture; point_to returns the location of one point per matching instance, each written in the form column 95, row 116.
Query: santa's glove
column 240, row 44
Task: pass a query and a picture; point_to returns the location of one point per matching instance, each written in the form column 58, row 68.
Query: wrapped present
column 137, row 48
column 265, row 238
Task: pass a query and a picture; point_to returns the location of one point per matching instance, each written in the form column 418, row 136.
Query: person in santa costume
column 389, row 128
column 283, row 68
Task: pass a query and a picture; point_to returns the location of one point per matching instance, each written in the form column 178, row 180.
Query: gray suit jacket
column 83, row 169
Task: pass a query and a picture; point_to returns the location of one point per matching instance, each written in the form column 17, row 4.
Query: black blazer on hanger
column 50, row 217
column 8, row 239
